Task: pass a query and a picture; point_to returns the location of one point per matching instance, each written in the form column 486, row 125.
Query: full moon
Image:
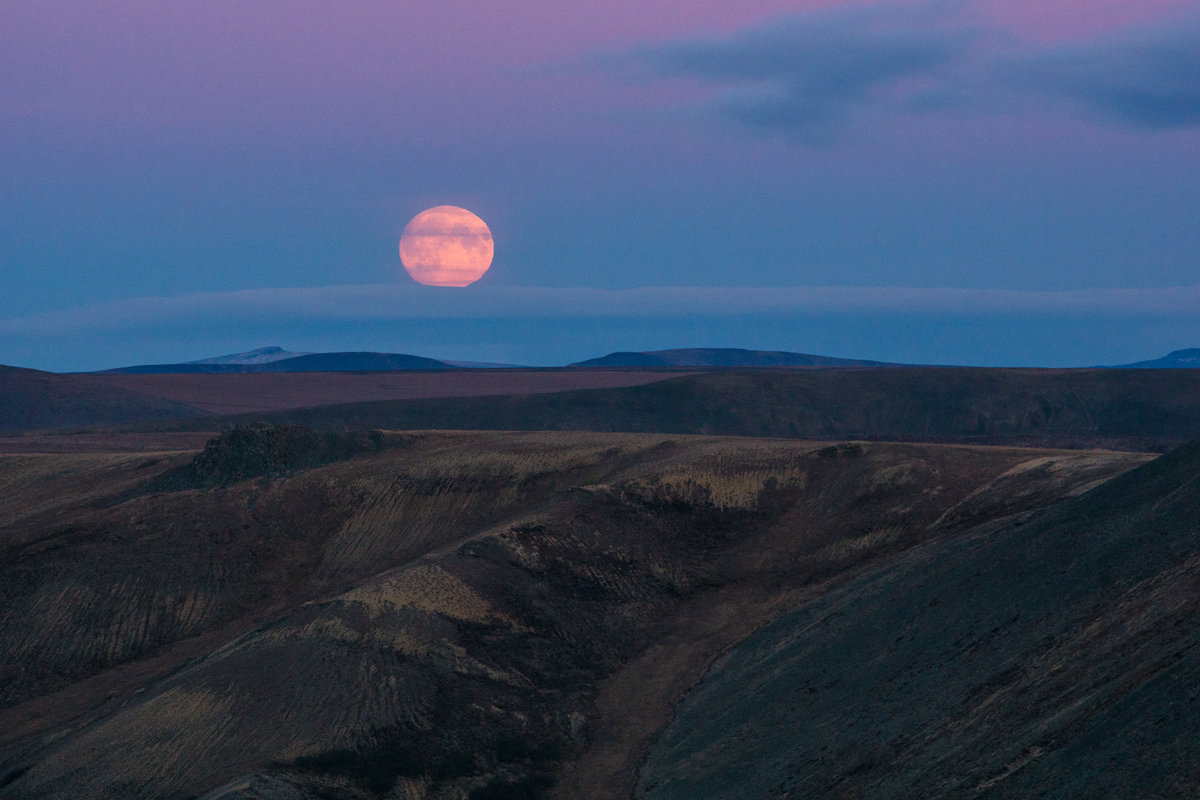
column 446, row 246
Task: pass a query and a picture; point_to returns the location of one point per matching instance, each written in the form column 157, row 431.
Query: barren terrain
column 33, row 400
column 251, row 393
column 441, row 615
column 361, row 608
column 1137, row 410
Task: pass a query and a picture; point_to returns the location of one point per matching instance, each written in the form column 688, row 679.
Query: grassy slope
column 497, row 613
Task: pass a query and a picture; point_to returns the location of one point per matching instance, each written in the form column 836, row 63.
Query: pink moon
column 446, row 246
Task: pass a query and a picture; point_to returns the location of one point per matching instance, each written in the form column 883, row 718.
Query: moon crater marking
column 446, row 246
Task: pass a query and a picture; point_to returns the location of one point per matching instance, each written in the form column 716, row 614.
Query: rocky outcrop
column 263, row 449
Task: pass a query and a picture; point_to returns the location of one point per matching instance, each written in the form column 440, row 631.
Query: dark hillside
column 260, row 392
column 444, row 615
column 31, row 400
column 1058, row 657
column 1060, row 408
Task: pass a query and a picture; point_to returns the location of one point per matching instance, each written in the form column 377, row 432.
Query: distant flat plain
column 254, row 392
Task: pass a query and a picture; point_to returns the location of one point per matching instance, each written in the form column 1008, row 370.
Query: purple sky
column 164, row 164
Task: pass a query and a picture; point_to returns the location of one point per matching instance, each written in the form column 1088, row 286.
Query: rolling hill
column 258, row 392
column 1122, row 409
column 262, row 355
column 435, row 615
column 276, row 359
column 721, row 357
column 1062, row 408
column 31, row 400
column 1178, row 359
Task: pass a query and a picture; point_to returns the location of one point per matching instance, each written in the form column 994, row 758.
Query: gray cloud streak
column 1150, row 78
column 813, row 75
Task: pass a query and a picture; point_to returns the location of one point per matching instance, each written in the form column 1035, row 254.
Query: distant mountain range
column 722, row 357
column 268, row 355
column 276, row 359
column 263, row 355
column 1179, row 359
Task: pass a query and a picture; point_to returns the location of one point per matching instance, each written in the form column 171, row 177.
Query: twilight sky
column 989, row 182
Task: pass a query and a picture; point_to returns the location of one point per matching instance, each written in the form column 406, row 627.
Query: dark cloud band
column 814, row 75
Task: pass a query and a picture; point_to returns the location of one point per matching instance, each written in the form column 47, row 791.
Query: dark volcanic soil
column 480, row 614
column 1057, row 657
